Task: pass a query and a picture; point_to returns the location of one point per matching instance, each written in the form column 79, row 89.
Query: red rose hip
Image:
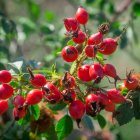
column 34, row 97
column 83, row 73
column 69, row 53
column 38, row 80
column 77, row 109
column 108, row 46
column 5, row 76
column 81, row 15
column 6, row 91
column 80, row 38
column 95, row 39
column 71, row 24
column 3, row 106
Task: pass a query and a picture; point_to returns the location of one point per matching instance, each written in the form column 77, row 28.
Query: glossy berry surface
column 33, row 97
column 77, row 109
column 108, row 46
column 3, row 106
column 110, row 107
column 19, row 101
column 91, row 98
column 69, row 53
column 95, row 39
column 115, row 96
column 103, row 99
column 90, row 51
column 131, row 83
column 83, row 73
column 110, row 70
column 38, row 80
column 81, row 37
column 51, row 93
column 96, row 71
column 81, row 15
column 6, row 91
column 71, row 24
column 5, row 76
column 18, row 114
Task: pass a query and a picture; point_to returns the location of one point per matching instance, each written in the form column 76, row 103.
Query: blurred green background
column 33, row 30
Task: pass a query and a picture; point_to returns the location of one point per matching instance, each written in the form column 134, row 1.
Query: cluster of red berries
column 94, row 99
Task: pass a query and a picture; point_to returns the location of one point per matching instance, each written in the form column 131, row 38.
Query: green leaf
column 34, row 10
column 35, row 111
column 56, row 107
column 64, row 127
column 50, row 134
column 101, row 121
column 100, row 56
column 49, row 16
column 8, row 25
column 70, row 43
column 53, row 69
column 14, row 84
column 125, row 113
column 136, row 104
column 47, row 28
column 12, row 68
column 87, row 122
column 73, row 66
column 27, row 25
column 136, row 9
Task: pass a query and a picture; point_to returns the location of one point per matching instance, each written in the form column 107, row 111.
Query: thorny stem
column 120, row 36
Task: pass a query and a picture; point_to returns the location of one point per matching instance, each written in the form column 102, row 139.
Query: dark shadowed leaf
column 136, row 9
column 87, row 122
column 124, row 114
column 101, row 121
column 50, row 134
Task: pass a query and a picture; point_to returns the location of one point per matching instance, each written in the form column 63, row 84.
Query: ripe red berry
column 77, row 109
column 93, row 105
column 83, row 73
column 19, row 101
column 115, row 96
column 69, row 53
column 51, row 93
column 81, row 15
column 18, row 114
column 110, row 70
column 69, row 95
column 95, row 39
column 103, row 99
column 3, row 106
column 131, row 83
column 80, row 38
column 33, row 97
column 68, row 81
column 110, row 107
column 91, row 98
column 90, row 51
column 108, row 46
column 96, row 71
column 6, row 91
column 5, row 76
column 38, row 80
column 71, row 24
